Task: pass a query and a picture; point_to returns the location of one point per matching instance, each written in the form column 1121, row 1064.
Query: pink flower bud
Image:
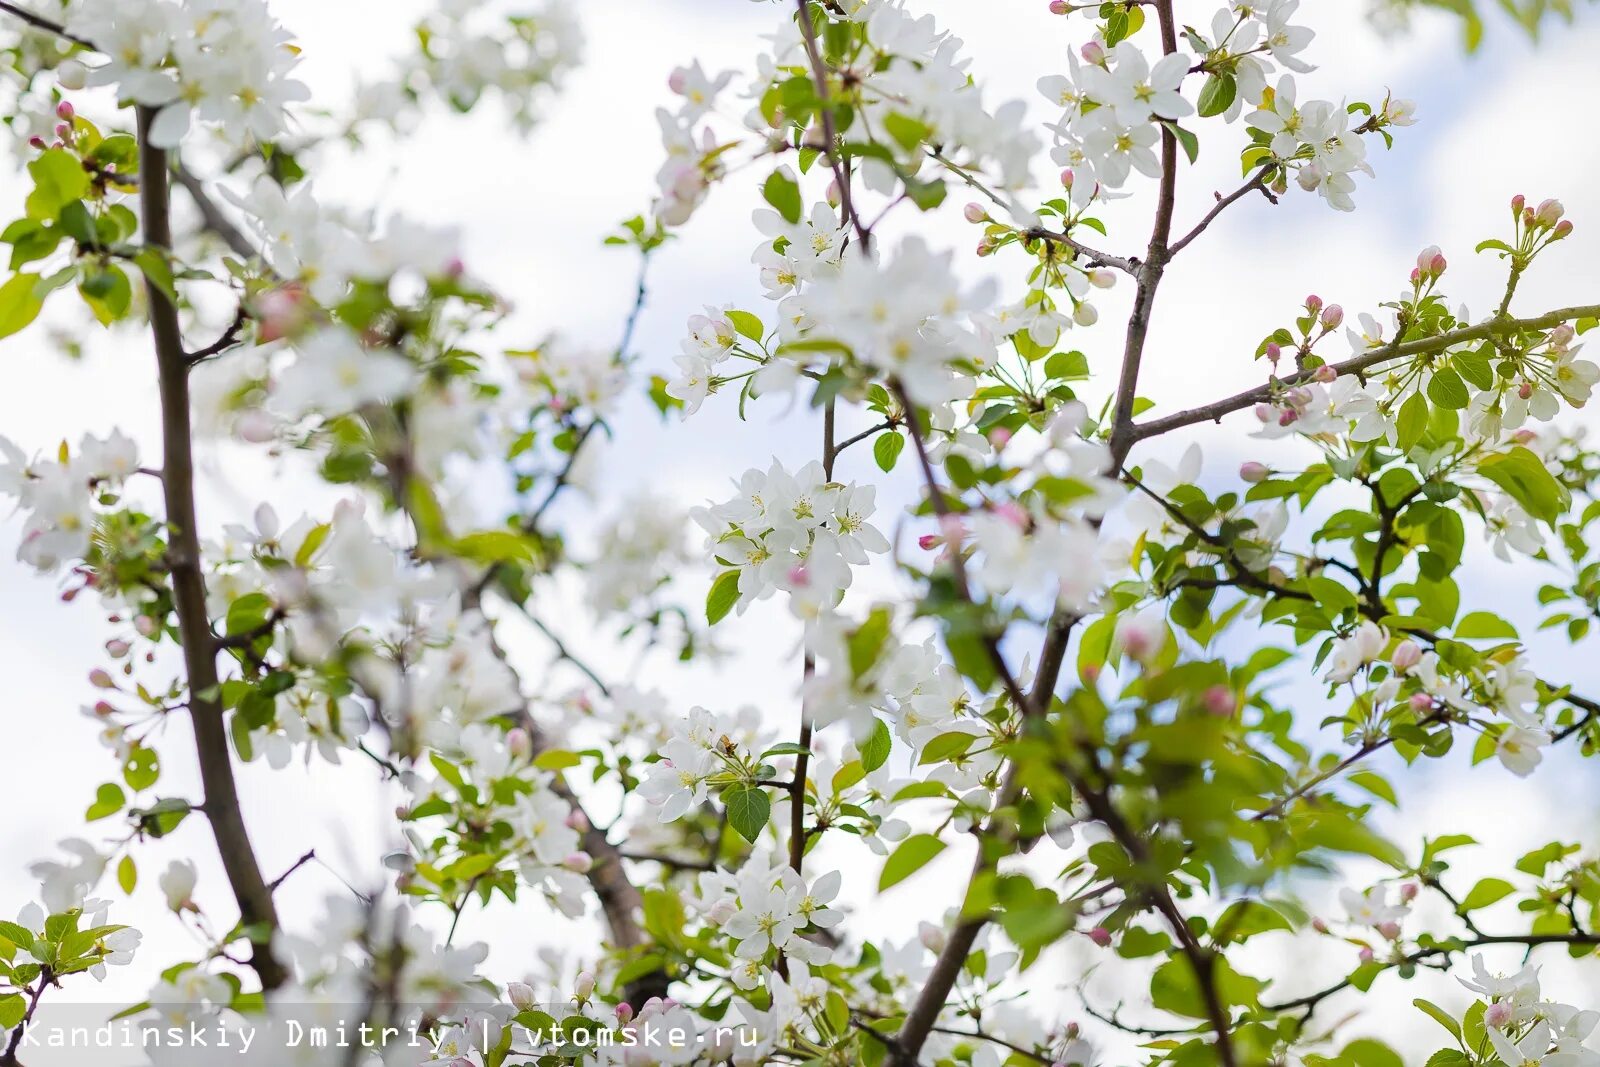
column 104, row 710
column 578, row 821
column 1091, row 672
column 1067, row 178
column 1220, row 701
column 116, row 648
column 1332, row 316
column 1320, row 925
column 624, row 1012
column 1550, row 212
column 1525, row 390
column 1100, row 936
column 1499, row 1014
column 584, row 987
column 1524, row 437
column 64, row 111
column 1313, row 303
column 1266, row 412
column 677, row 80
column 1324, row 374
column 985, row 247
column 1408, row 892
column 1253, row 472
column 1406, row 655
column 1288, row 417
column 1518, row 202
column 929, row 541
column 1094, row 53
column 101, row 680
column 578, row 863
column 521, row 995
column 1421, row 702
column 518, row 741
column 1438, row 265
column 974, row 213
column 36, row 142
column 145, row 625
column 999, row 437
column 1365, row 955
column 1390, row 930
column 1060, row 7
column 1563, row 228
column 63, row 131
column 1274, row 351
column 798, row 576
column 1013, row 514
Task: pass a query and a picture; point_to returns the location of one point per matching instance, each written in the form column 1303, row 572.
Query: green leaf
column 1412, row 421
column 1217, row 94
column 1365, row 1052
column 108, row 800
column 886, row 450
column 1485, row 624
column 489, row 547
column 1524, row 477
column 723, row 595
column 747, row 325
column 19, row 305
column 556, row 759
column 127, row 875
column 142, row 768
column 946, row 746
column 748, row 808
column 58, row 180
column 908, row 133
column 867, row 641
column 910, row 856
column 1439, row 1015
column 12, row 1008
column 1474, row 366
column 875, row 749
column 1486, row 892
column 783, row 194
column 1447, row 389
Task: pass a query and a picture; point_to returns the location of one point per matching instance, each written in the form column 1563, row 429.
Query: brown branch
column 39, row 22
column 250, row 889
column 1257, row 181
column 1250, row 397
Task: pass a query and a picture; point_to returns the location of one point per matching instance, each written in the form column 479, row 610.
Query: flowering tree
column 1056, row 689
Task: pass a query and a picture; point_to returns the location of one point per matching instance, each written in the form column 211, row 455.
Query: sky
column 532, row 212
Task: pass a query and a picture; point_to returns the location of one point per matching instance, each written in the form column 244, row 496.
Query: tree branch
column 250, row 889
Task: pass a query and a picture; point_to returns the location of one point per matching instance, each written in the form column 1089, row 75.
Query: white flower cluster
column 59, row 496
column 566, row 377
column 797, row 532
column 765, row 908
column 692, row 162
column 226, row 61
column 1506, row 687
column 700, row 746
column 1524, row 1028
column 636, row 553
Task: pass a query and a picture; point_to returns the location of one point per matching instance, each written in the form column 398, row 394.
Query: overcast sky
column 1514, row 118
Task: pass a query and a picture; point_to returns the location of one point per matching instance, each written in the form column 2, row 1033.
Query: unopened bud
column 798, row 576
column 578, row 821
column 1320, row 925
column 624, row 1012
column 63, row 130
column 1408, row 892
column 578, row 863
column 1332, row 316
column 1563, row 228
column 102, row 709
column 1365, row 955
column 518, row 741
column 36, row 142
column 928, row 542
column 1324, row 374
column 932, row 937
column 584, row 987
column 1313, row 303
column 1093, row 52
column 1550, row 212
column 677, row 80
column 1253, row 472
column 64, row 111
column 70, row 74
column 1406, row 655
column 1100, row 936
column 145, row 625
column 521, row 995
column 1060, row 7
column 1085, row 315
column 974, row 213
column 101, row 680
column 1102, row 279
column 999, row 437
column 1421, row 702
column 1390, row 930
column 985, row 247
column 116, row 648
column 1219, row 701
column 1499, row 1014
column 1274, row 351
column 1518, row 202
column 1067, row 178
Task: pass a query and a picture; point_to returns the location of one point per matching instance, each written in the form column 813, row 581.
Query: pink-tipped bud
column 974, row 213
column 116, row 648
column 1421, row 702
column 1274, row 351
column 1220, row 701
column 678, row 79
column 1438, row 264
column 578, row 821
column 1266, row 412
column 928, row 542
column 1324, row 374
column 1313, row 303
column 1013, row 514
column 1060, row 7
column 1390, row 930
column 1406, row 655
column 64, row 111
column 1563, row 228
column 1525, row 390
column 799, row 577
column 1524, row 437
column 1253, row 472
column 63, row 131
column 1365, row 955
column 1288, row 418
column 999, row 437
column 1550, row 212
column 1425, row 258
column 454, row 267
column 1100, row 936
column 1332, row 316
column 624, row 1012
column 1499, row 1014
column 1408, row 892
column 1091, row 672
column 1518, row 202
column 1085, row 315
column 985, row 247
column 145, row 625
column 519, row 741
column 1094, row 53
column 36, row 142
column 100, row 679
column 1067, row 178
column 104, row 710
column 521, row 995
column 1320, row 925
column 578, row 862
